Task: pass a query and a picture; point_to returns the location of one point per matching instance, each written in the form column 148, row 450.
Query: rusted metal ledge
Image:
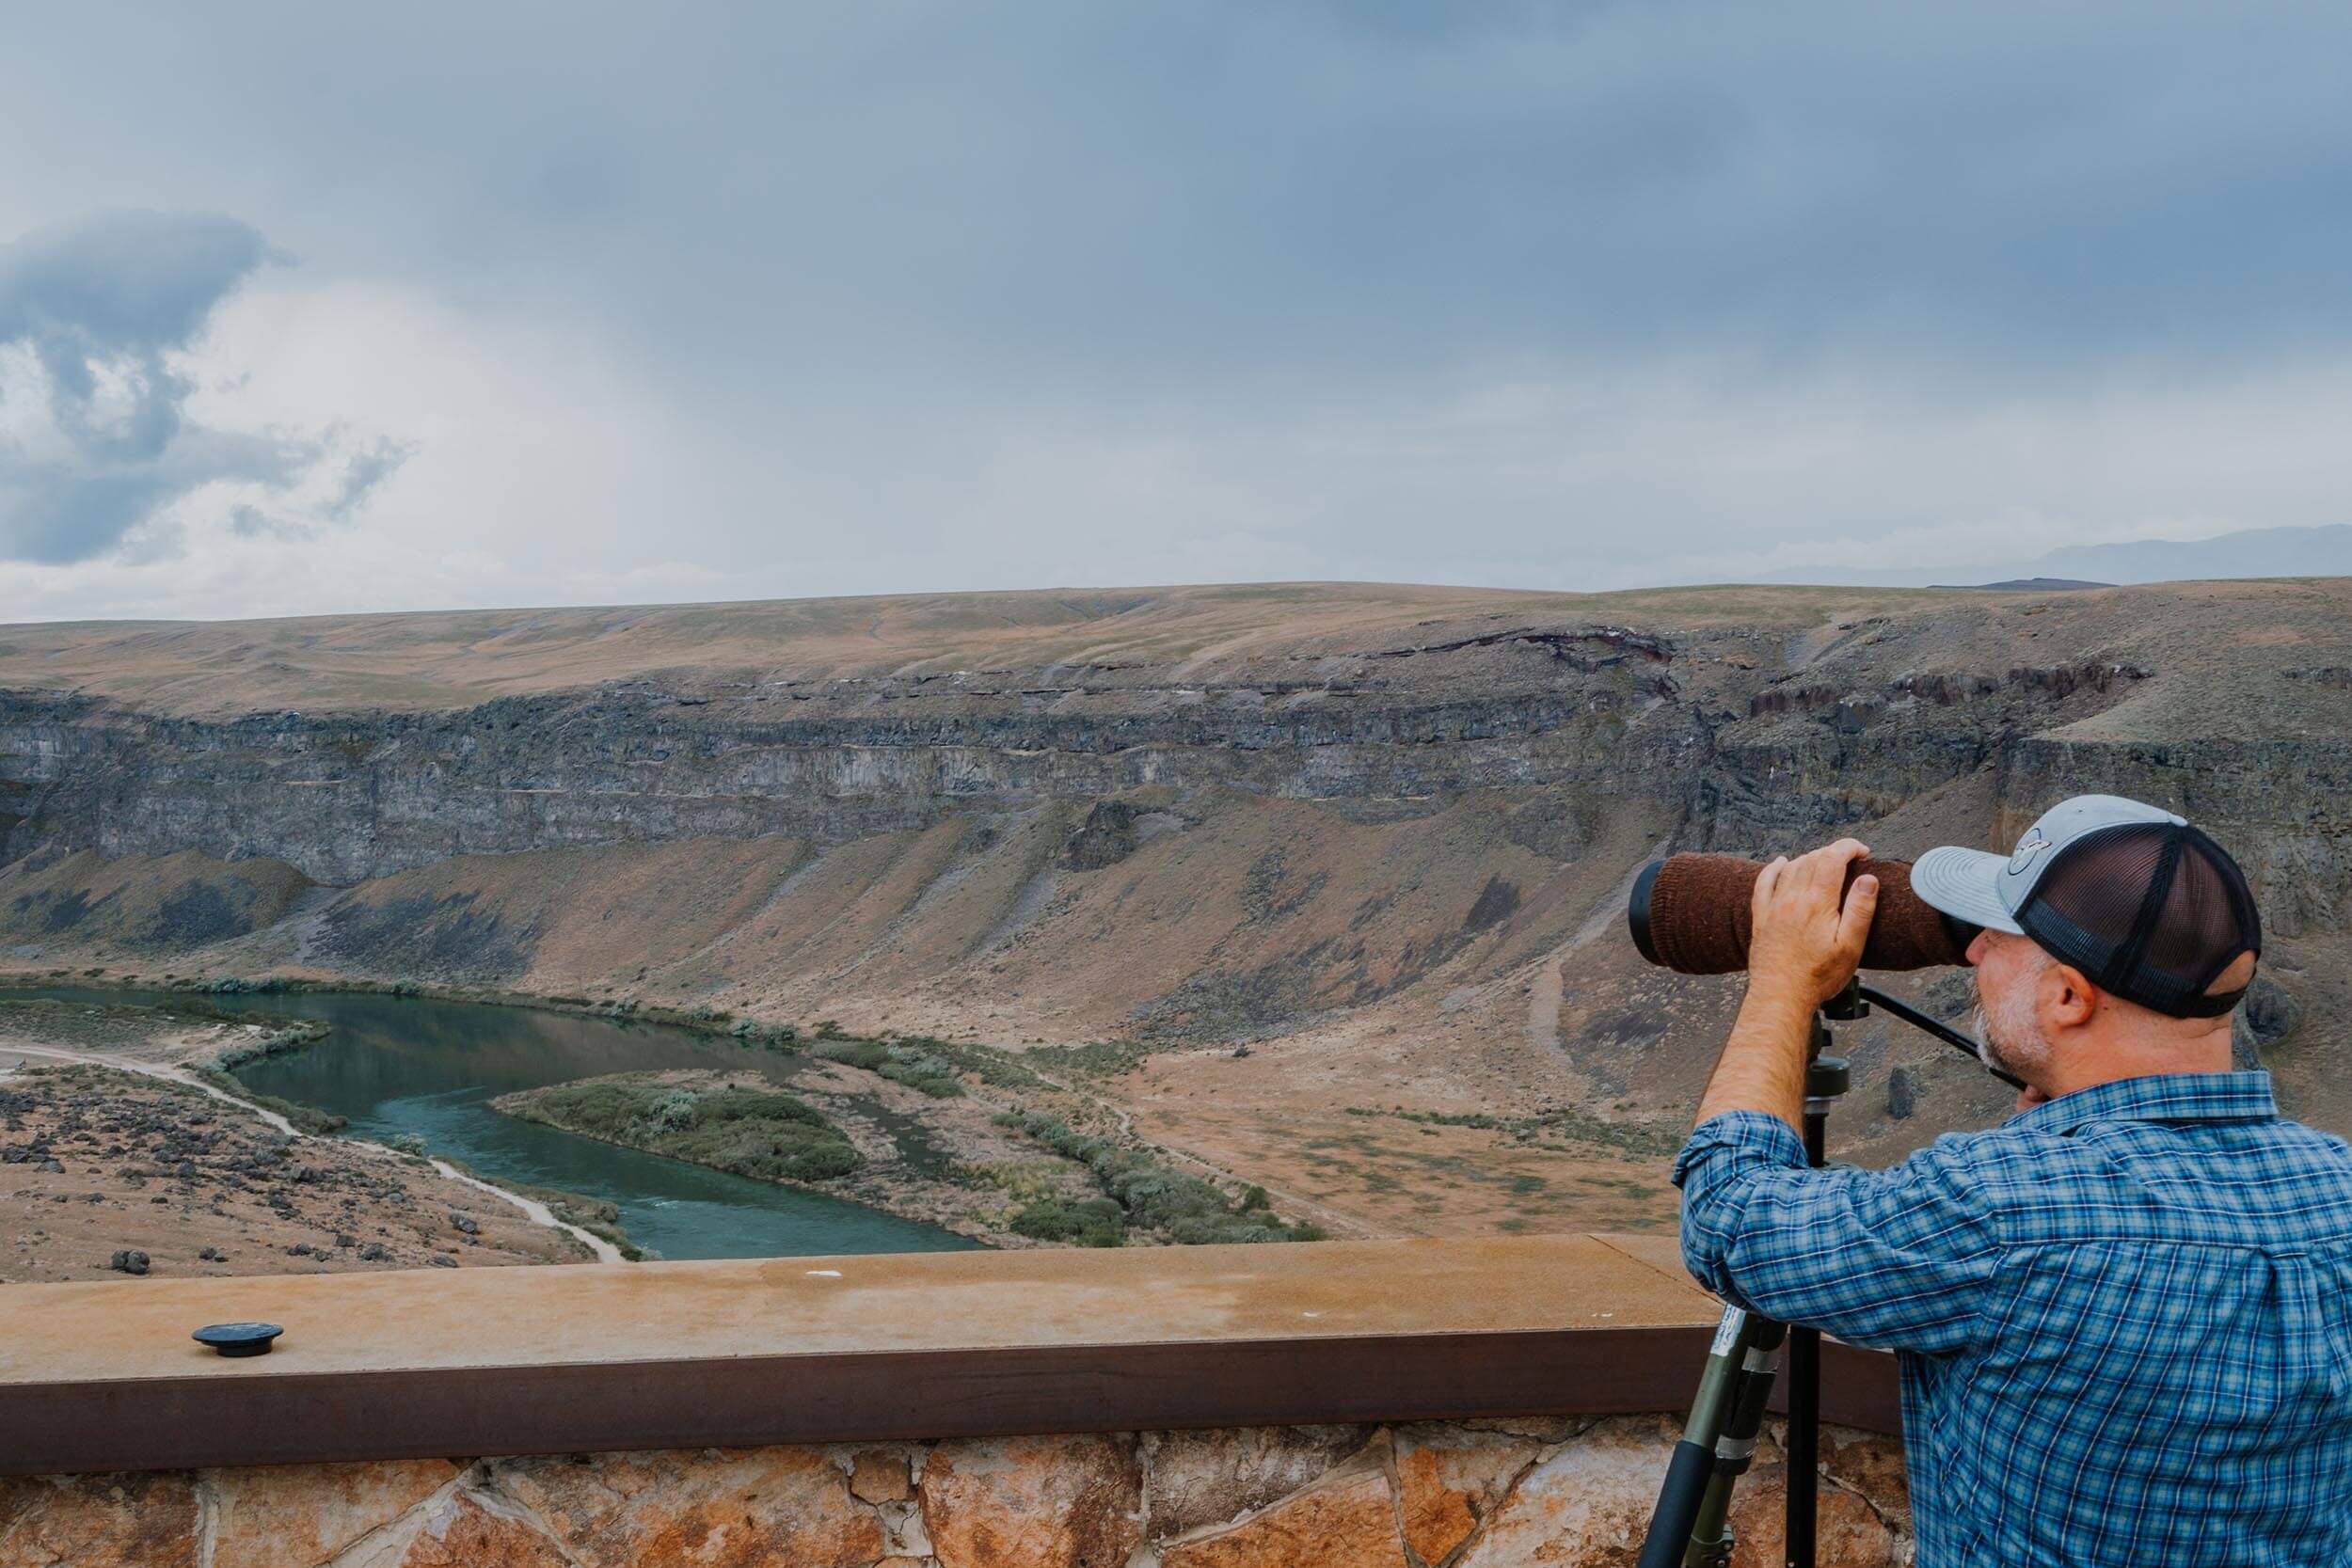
column 539, row 1360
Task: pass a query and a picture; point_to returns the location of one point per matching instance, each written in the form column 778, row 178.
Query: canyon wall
column 345, row 797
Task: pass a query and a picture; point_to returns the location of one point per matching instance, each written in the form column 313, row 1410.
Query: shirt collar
column 2161, row 1097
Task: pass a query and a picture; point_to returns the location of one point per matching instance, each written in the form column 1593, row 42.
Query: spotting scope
column 1692, row 914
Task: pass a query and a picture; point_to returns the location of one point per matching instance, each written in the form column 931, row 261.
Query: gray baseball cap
column 2146, row 906
column 1989, row 890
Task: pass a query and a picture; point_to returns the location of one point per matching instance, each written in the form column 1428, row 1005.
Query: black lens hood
column 1637, row 910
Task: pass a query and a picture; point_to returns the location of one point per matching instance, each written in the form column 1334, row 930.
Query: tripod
column 1691, row 1527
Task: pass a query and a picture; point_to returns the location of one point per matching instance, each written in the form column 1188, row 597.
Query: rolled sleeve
column 1902, row 1258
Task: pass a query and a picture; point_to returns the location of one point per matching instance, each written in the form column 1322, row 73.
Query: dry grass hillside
column 449, row 657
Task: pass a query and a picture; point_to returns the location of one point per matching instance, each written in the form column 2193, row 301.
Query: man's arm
column 1905, row 1258
column 1900, row 1257
column 1803, row 947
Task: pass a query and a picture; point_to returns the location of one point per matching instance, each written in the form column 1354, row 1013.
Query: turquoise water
column 396, row 1064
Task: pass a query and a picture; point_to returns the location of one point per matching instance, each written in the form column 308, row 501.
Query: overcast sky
column 311, row 308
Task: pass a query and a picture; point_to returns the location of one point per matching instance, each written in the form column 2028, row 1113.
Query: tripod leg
column 1710, row 1534
column 1805, row 1372
column 1804, row 1430
column 1690, row 1474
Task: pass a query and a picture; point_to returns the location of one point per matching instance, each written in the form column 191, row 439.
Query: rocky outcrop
column 1107, row 836
column 1511, row 1494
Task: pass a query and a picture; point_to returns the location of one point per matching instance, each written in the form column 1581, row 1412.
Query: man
column 2126, row 1313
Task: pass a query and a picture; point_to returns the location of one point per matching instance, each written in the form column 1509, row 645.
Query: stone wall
column 1557, row 1493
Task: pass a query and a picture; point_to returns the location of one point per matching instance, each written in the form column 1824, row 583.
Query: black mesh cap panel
column 2153, row 911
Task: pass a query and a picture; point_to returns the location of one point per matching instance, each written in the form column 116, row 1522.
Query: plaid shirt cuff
column 1724, row 1155
column 1730, row 1144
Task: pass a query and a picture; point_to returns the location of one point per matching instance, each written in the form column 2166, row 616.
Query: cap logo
column 2027, row 848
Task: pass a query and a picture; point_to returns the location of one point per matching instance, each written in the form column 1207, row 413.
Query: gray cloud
column 129, row 283
column 349, row 487
column 363, row 472
column 100, row 440
column 1164, row 190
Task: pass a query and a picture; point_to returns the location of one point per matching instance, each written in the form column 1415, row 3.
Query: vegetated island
column 897, row 1125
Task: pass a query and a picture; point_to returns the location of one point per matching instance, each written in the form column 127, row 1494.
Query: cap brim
column 1966, row 885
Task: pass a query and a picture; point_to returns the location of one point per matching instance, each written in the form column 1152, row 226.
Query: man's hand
column 1803, row 937
column 1804, row 944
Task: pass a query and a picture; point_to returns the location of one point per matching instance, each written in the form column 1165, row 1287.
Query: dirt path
column 537, row 1213
column 155, row 1069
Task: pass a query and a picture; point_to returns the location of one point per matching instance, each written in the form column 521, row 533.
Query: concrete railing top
column 520, row 1360
column 581, row 1315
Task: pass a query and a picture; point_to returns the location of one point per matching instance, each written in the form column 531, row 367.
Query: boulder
column 1033, row 1502
column 1349, row 1516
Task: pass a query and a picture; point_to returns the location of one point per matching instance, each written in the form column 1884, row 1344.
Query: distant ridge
column 2324, row 551
column 2256, row 552
column 2027, row 582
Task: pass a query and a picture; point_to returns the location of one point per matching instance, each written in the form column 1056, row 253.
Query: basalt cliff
column 1342, row 864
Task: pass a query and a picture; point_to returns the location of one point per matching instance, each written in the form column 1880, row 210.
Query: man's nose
column 1976, row 947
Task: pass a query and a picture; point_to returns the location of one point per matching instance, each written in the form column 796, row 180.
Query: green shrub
column 836, row 1047
column 1104, row 1058
column 1087, row 1222
column 1182, row 1207
column 932, row 1078
column 992, row 1067
column 1019, row 1179
column 914, row 1068
column 768, row 1037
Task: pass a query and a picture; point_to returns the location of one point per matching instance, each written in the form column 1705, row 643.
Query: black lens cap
column 238, row 1338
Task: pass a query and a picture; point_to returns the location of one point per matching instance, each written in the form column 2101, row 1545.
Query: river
column 398, row 1064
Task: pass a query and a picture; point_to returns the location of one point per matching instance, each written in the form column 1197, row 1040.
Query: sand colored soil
column 97, row 1161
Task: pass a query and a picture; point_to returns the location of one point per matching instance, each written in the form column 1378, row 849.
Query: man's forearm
column 1762, row 1067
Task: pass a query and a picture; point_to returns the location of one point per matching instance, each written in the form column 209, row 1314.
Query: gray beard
column 1980, row 1030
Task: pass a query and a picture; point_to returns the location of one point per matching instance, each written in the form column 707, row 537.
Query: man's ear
column 2069, row 1000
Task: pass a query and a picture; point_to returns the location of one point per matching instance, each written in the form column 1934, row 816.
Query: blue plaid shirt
column 2126, row 1317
